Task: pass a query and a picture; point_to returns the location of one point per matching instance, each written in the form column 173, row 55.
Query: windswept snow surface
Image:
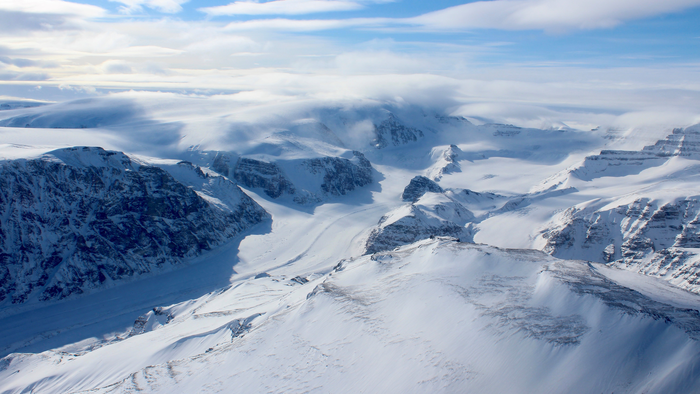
column 434, row 316
column 584, row 276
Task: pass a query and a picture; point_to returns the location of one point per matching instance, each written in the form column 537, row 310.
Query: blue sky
column 671, row 37
column 517, row 56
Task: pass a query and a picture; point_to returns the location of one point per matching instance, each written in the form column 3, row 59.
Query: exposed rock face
column 222, row 164
column 267, row 176
column 307, row 180
column 682, row 142
column 340, row 175
column 392, row 131
column 418, row 186
column 432, row 215
column 643, row 236
column 80, row 218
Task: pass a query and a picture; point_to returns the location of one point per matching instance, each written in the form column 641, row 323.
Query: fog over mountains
column 359, row 246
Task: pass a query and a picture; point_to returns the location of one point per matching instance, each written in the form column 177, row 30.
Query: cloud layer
column 65, row 49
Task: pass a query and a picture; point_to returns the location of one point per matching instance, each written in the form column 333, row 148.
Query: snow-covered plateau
column 364, row 247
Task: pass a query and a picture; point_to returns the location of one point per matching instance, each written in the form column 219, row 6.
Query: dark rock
column 340, row 175
column 393, row 131
column 336, row 176
column 418, row 186
column 222, row 164
column 83, row 217
column 267, row 176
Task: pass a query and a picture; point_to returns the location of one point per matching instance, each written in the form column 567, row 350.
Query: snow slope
column 436, row 316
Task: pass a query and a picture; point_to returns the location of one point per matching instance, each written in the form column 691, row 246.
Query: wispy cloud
column 288, row 7
column 167, row 6
column 57, row 7
column 281, row 24
column 88, row 49
column 282, row 7
column 552, row 15
column 17, row 17
column 547, row 15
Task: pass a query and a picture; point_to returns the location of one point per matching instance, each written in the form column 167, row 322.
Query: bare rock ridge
column 261, row 175
column 644, row 236
column 418, row 186
column 680, row 143
column 306, row 180
column 80, row 218
column 392, row 132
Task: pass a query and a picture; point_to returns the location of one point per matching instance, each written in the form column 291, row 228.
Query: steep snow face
column 646, row 236
column 81, row 218
column 435, row 316
column 307, row 181
column 446, row 162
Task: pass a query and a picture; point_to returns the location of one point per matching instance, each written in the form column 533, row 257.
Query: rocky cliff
column 81, row 218
column 305, row 180
column 646, row 236
column 392, row 132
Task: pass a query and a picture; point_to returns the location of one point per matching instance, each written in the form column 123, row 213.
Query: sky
column 528, row 62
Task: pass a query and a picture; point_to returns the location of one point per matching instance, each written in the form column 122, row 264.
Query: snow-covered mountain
column 407, row 251
column 81, row 218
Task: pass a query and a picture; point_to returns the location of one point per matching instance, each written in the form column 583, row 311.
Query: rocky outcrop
column 681, row 143
column 340, row 175
column 306, row 180
column 392, row 132
column 643, row 236
column 222, row 164
column 82, row 218
column 418, row 186
column 430, row 216
column 262, row 175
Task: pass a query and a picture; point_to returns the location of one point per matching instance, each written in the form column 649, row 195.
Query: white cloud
column 17, row 17
column 57, row 7
column 306, row 24
column 288, row 7
column 272, row 68
column 548, row 15
column 282, row 7
column 551, row 15
column 167, row 6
